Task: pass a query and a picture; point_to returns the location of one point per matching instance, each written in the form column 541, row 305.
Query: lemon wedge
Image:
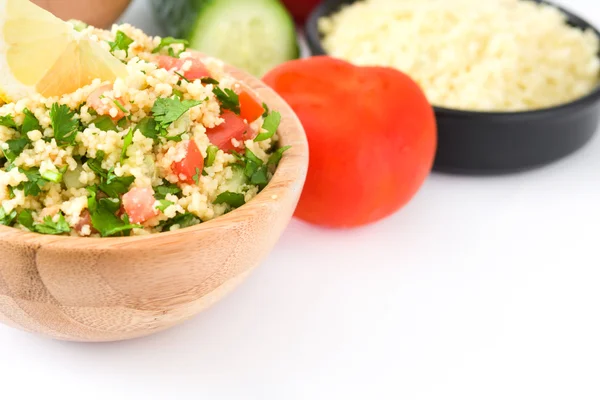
column 40, row 53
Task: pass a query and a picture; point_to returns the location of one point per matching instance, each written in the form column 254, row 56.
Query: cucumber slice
column 254, row 35
column 237, row 181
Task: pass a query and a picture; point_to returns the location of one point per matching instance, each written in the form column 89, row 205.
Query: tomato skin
column 234, row 127
column 138, row 203
column 187, row 167
column 250, row 108
column 197, row 71
column 372, row 138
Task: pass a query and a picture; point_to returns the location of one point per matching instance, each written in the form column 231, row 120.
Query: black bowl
column 499, row 142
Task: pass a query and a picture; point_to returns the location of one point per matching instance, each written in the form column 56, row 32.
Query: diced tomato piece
column 192, row 163
column 234, row 127
column 94, row 101
column 197, row 70
column 139, row 204
column 250, row 108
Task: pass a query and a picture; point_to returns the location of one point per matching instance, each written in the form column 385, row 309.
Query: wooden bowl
column 107, row 289
column 99, row 13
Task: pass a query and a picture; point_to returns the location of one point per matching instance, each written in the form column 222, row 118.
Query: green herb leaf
column 276, row 156
column 25, row 218
column 92, row 202
column 178, row 93
column 148, row 128
column 49, row 227
column 8, row 121
column 104, row 123
column 168, row 110
column 168, row 41
column 95, row 164
column 16, row 147
column 64, row 124
column 34, row 183
column 120, row 106
column 112, row 205
column 196, row 177
column 114, row 186
column 235, row 200
column 164, row 204
column 228, row 98
column 260, row 177
column 182, row 220
column 211, row 155
column 30, row 123
column 209, row 81
column 108, row 224
column 7, row 218
column 183, row 78
column 160, row 192
column 270, row 126
column 127, row 140
column 122, row 42
column 266, row 108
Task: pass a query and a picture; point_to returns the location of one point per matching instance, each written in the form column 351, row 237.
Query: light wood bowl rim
column 290, row 175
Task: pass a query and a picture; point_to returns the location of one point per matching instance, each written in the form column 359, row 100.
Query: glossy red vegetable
column 372, row 138
column 234, row 127
column 192, row 163
column 250, row 108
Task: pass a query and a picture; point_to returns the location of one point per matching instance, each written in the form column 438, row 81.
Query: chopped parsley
column 228, row 98
column 209, row 81
column 110, row 183
column 7, row 218
column 25, row 218
column 168, row 41
column 168, row 110
column 64, row 124
column 114, row 185
column 104, row 123
column 276, row 156
column 266, row 108
column 8, row 121
column 30, row 123
column 270, row 126
column 211, row 155
column 164, row 204
column 34, row 184
column 103, row 216
column 15, row 147
column 120, row 106
column 148, row 128
column 122, row 42
column 127, row 139
column 183, row 78
column 196, row 177
column 49, row 227
column 182, row 221
column 234, row 200
column 160, row 192
column 178, row 93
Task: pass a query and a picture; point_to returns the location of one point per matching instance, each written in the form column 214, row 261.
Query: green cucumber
column 254, row 35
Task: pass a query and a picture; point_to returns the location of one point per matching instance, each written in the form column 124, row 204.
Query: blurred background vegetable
column 254, row 35
column 301, row 9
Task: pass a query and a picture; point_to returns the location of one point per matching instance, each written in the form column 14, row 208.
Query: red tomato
column 192, row 163
column 234, row 127
column 301, row 9
column 94, row 101
column 197, row 70
column 250, row 108
column 372, row 138
column 139, row 204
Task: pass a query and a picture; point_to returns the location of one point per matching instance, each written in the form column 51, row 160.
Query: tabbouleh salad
column 175, row 143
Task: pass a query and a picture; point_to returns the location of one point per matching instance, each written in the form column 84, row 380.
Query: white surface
column 482, row 288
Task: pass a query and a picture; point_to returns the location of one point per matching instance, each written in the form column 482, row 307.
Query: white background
column 482, row 288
